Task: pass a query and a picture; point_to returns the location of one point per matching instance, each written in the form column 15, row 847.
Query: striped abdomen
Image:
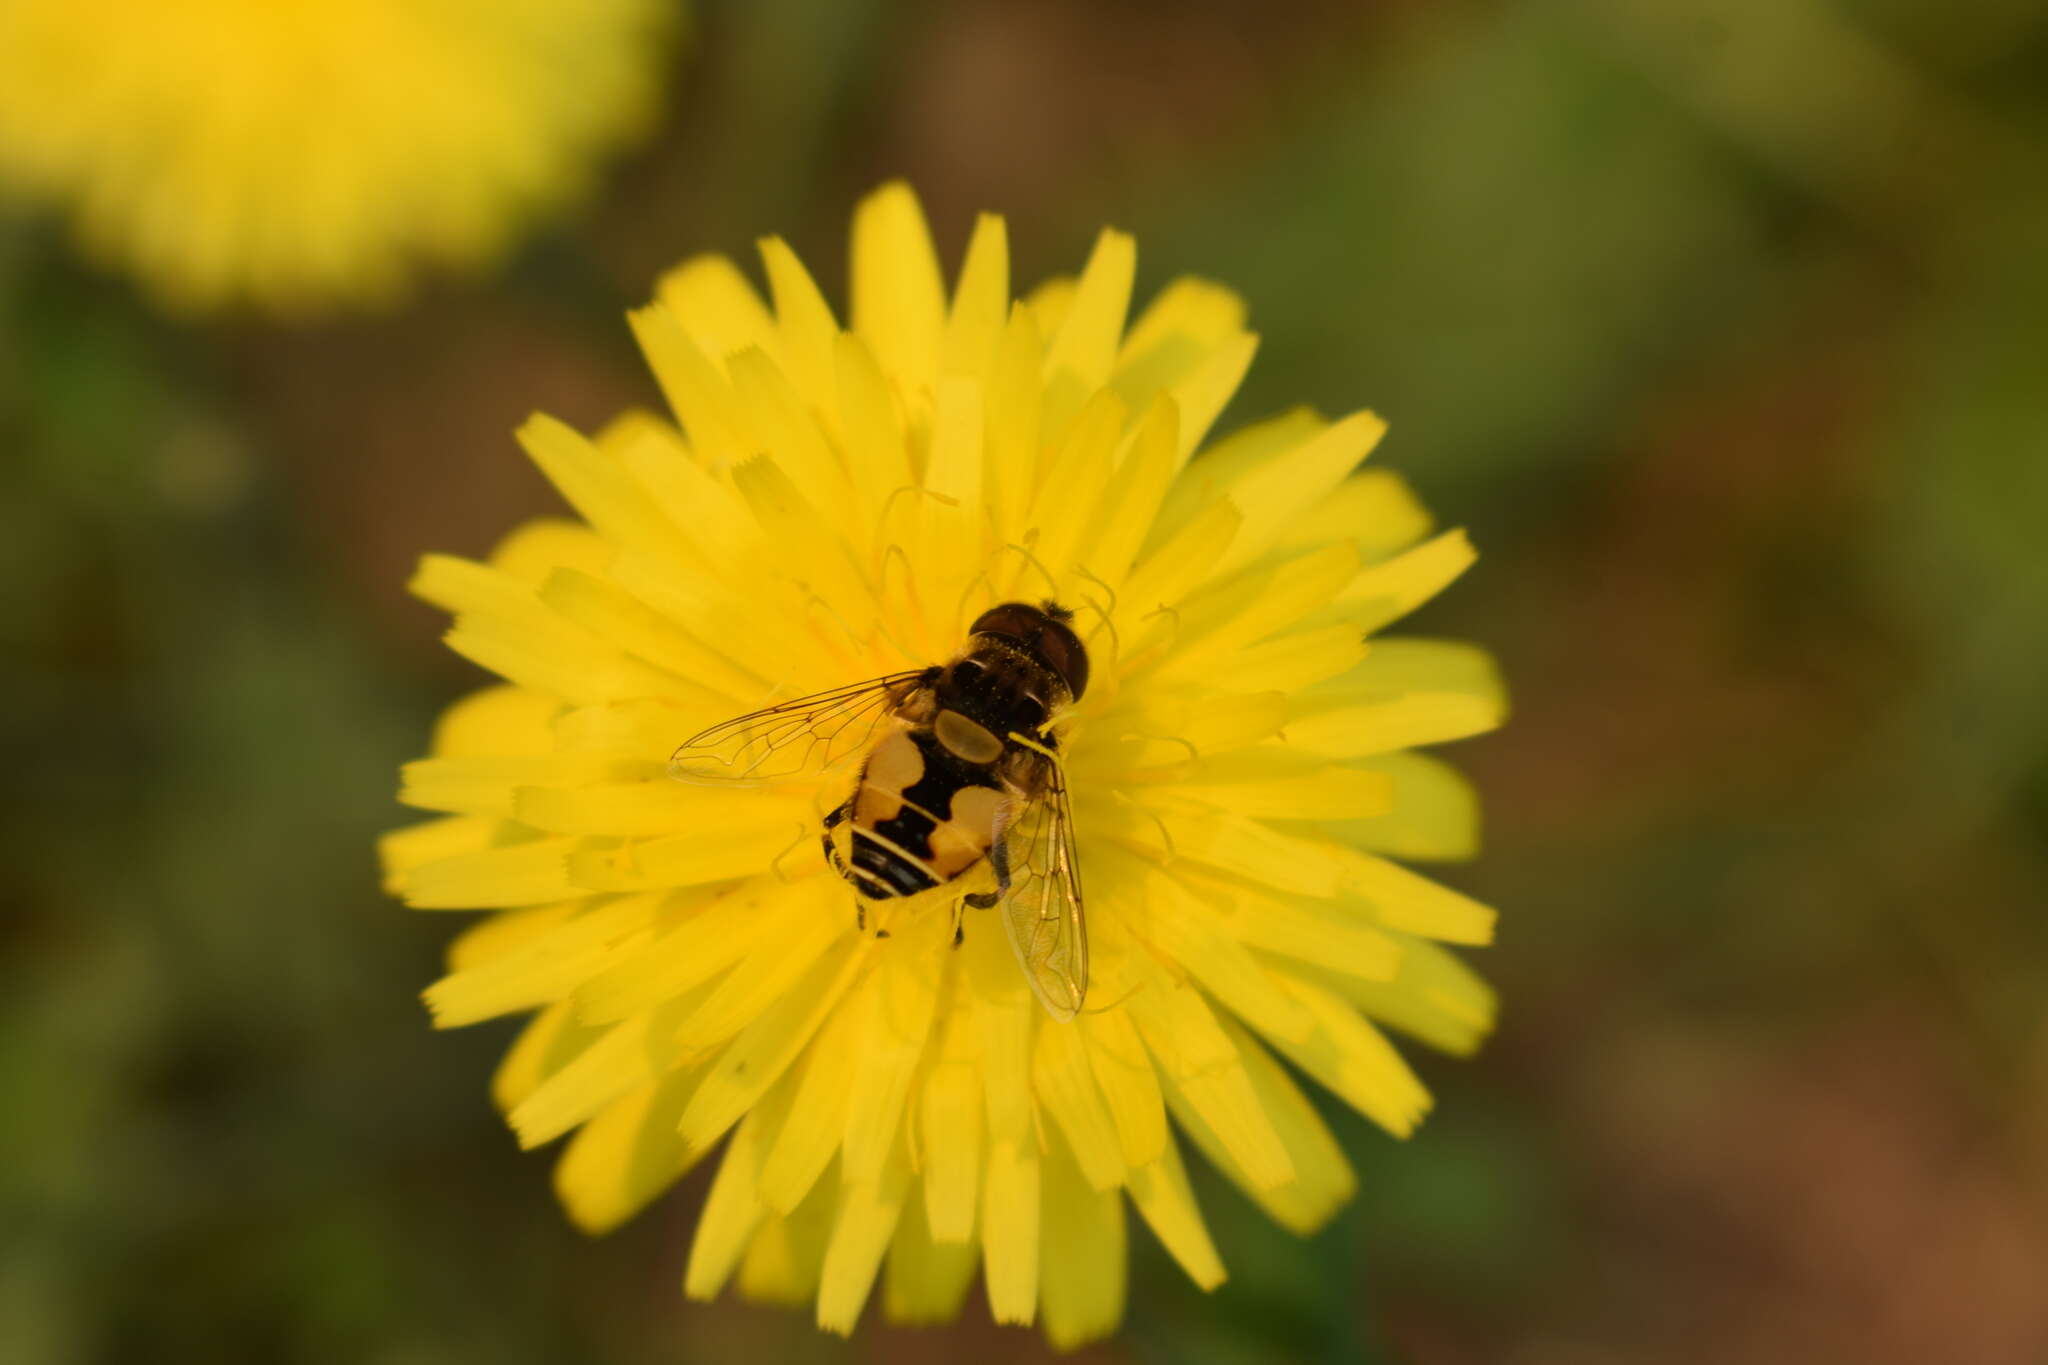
column 922, row 814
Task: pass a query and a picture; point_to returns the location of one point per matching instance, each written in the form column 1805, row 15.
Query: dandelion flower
column 300, row 154
column 835, row 504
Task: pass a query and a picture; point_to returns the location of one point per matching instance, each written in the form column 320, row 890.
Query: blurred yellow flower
column 837, row 505
column 301, row 154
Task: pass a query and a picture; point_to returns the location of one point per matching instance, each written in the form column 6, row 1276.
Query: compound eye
column 1064, row 653
column 1019, row 621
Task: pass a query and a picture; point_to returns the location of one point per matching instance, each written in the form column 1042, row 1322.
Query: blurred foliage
column 1722, row 322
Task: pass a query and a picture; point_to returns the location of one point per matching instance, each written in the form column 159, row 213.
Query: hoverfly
column 969, row 769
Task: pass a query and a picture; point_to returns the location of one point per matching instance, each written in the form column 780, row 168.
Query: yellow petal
column 1004, row 1017
column 402, row 851
column 817, row 1117
column 714, row 932
column 926, row 1281
column 649, row 807
column 502, row 624
column 537, row 548
column 786, row 1260
column 1352, row 1059
column 1082, row 1262
column 1079, row 354
column 519, row 874
column 1203, row 395
column 764, row 1050
column 733, row 1209
column 1168, row 574
column 1391, row 589
column 1289, row 663
column 758, row 981
column 1400, row 899
column 1198, row 310
column 899, row 300
column 1435, row 998
column 506, row 932
column 693, row 384
column 1206, row 1083
column 1166, row 729
column 1128, row 503
column 895, row 1020
column 781, row 422
column 1275, row 491
column 1195, row 938
column 550, row 1041
column 576, row 669
column 950, row 521
column 1322, row 1179
column 869, row 1210
column 643, row 728
column 1009, row 1241
column 1219, row 623
column 1332, row 793
column 1050, row 301
column 599, row 487
column 1161, row 1193
column 690, row 495
column 1013, row 403
column 1130, row 1087
column 631, row 1053
column 980, row 300
column 627, row 1154
column 549, row 966
column 716, row 306
column 878, row 453
column 1304, row 929
column 1398, row 723
column 1071, row 493
column 1400, row 664
column 1434, row 813
column 1211, row 476
column 804, row 324
column 812, row 549
column 1065, row 1086
column 497, row 722
column 1189, row 345
column 950, row 1130
column 483, row 785
column 1185, row 322
column 1245, row 848
column 1374, row 508
column 697, row 855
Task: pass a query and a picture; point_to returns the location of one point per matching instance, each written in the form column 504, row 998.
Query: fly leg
column 999, row 859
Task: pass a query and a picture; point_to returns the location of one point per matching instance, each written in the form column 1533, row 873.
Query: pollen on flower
column 1207, row 848
column 302, row 156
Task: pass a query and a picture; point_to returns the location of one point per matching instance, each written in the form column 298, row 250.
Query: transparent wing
column 1042, row 913
column 805, row 735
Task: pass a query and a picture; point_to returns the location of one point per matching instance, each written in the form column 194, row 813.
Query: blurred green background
column 1722, row 323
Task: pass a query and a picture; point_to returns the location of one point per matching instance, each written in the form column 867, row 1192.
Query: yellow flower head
column 304, row 153
column 835, row 505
